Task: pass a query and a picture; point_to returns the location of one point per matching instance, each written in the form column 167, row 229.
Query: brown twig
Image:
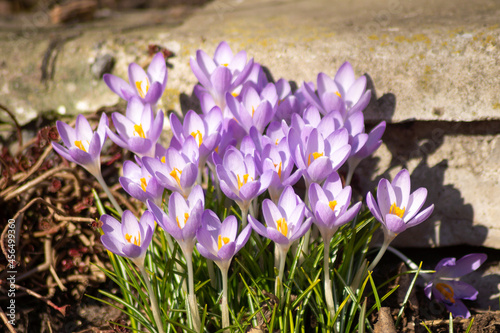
column 6, row 321
column 10, row 193
column 35, row 167
column 61, row 309
column 18, row 128
column 35, row 200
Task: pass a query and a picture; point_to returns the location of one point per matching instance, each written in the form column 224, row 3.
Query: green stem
column 224, row 306
column 244, row 213
column 193, row 303
column 211, row 272
column 154, row 300
column 108, row 193
column 387, row 240
column 328, row 281
column 279, row 281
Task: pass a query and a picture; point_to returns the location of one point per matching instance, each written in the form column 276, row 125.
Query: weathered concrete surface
column 460, row 170
column 427, row 61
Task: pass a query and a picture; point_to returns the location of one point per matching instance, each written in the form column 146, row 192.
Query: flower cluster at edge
column 254, row 136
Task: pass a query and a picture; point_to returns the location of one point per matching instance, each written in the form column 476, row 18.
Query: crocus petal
column 206, row 253
column 226, row 252
column 223, row 54
column 415, row 203
column 401, row 185
column 385, row 196
column 277, row 237
column 458, row 309
column 462, row 290
column 112, row 244
column 373, row 207
column 221, row 81
column 157, row 69
column 302, row 230
column 229, row 227
column 132, row 250
column 463, row 266
column 154, row 93
column 345, row 75
column 243, row 237
column 257, row 226
column 395, row 224
column 421, row 217
column 201, row 74
column 119, row 86
column 67, row 133
column 356, row 90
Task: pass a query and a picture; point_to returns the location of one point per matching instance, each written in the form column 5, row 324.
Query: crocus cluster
column 250, row 136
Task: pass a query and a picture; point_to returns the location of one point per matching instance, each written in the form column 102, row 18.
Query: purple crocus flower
column 147, row 86
column 254, row 109
column 219, row 241
column 288, row 104
column 138, row 131
column 449, row 291
column 83, row 146
column 344, row 93
column 176, row 169
column 239, row 178
column 205, row 129
column 277, row 159
column 285, row 221
column 223, row 74
column 363, row 145
column 130, row 238
column 316, row 156
column 330, row 203
column 395, row 207
column 139, row 183
column 184, row 217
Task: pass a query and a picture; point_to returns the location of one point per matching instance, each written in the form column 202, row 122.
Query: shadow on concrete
column 452, row 220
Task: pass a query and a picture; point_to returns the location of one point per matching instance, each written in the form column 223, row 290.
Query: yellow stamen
column 79, row 145
column 222, row 241
column 163, row 159
column 138, row 129
column 315, row 156
column 282, row 226
column 397, row 211
column 217, row 149
column 338, row 94
column 332, row 204
column 138, row 85
column 235, row 94
column 176, row 173
column 245, row 180
column 278, row 166
column 253, row 111
column 137, row 242
column 143, row 184
column 225, row 65
column 447, row 291
column 198, row 137
column 186, row 217
column 277, row 142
